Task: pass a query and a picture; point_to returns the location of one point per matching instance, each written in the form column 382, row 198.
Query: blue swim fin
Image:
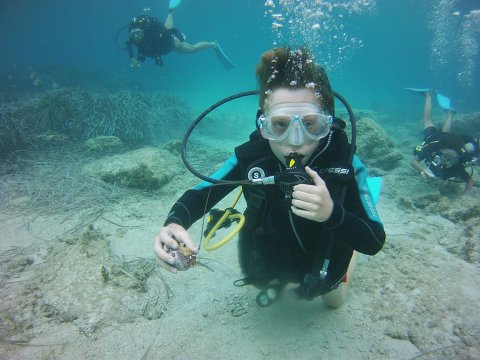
column 444, row 102
column 224, row 60
column 420, row 91
column 173, row 4
column 375, row 186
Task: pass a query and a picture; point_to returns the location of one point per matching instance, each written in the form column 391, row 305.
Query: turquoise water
column 385, row 45
column 416, row 296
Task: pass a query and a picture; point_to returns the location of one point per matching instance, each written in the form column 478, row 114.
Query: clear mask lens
column 279, row 124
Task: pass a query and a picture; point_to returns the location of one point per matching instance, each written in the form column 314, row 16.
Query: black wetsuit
column 157, row 41
column 444, row 154
column 268, row 247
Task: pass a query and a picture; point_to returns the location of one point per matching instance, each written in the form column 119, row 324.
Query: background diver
column 154, row 39
column 445, row 155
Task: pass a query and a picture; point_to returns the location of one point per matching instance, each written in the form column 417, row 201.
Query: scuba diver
column 154, row 39
column 446, row 155
column 308, row 228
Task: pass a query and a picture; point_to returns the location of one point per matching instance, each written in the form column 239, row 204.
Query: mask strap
column 257, row 119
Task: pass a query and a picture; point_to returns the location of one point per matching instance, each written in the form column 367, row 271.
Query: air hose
column 225, row 217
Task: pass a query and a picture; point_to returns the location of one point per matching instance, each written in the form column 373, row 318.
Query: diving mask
column 295, row 121
column 137, row 33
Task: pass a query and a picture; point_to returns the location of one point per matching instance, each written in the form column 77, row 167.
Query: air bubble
column 314, row 23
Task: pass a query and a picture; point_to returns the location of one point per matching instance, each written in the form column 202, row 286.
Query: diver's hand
column 427, row 173
column 134, row 63
column 168, row 238
column 312, row 202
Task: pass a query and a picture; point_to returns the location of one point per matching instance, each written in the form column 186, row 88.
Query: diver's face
column 137, row 34
column 289, row 99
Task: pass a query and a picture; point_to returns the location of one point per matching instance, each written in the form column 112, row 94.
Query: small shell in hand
column 184, row 257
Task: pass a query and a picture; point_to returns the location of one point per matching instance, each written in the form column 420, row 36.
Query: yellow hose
column 218, row 225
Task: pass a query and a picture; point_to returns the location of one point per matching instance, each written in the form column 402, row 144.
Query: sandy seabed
column 73, row 288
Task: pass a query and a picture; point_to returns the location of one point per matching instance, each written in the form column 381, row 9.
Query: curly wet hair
column 295, row 69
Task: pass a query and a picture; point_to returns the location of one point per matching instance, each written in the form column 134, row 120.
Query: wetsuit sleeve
column 196, row 202
column 351, row 222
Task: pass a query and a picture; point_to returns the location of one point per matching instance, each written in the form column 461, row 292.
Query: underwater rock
column 467, row 124
column 406, row 203
column 102, row 143
column 432, row 203
column 471, row 248
column 173, row 146
column 147, row 168
column 449, row 188
column 65, row 284
column 359, row 114
column 463, row 213
column 51, row 138
column 423, row 201
column 374, row 146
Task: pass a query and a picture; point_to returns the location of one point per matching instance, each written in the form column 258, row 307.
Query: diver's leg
column 186, row 48
column 448, row 121
column 169, row 20
column 468, row 185
column 336, row 297
column 427, row 111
